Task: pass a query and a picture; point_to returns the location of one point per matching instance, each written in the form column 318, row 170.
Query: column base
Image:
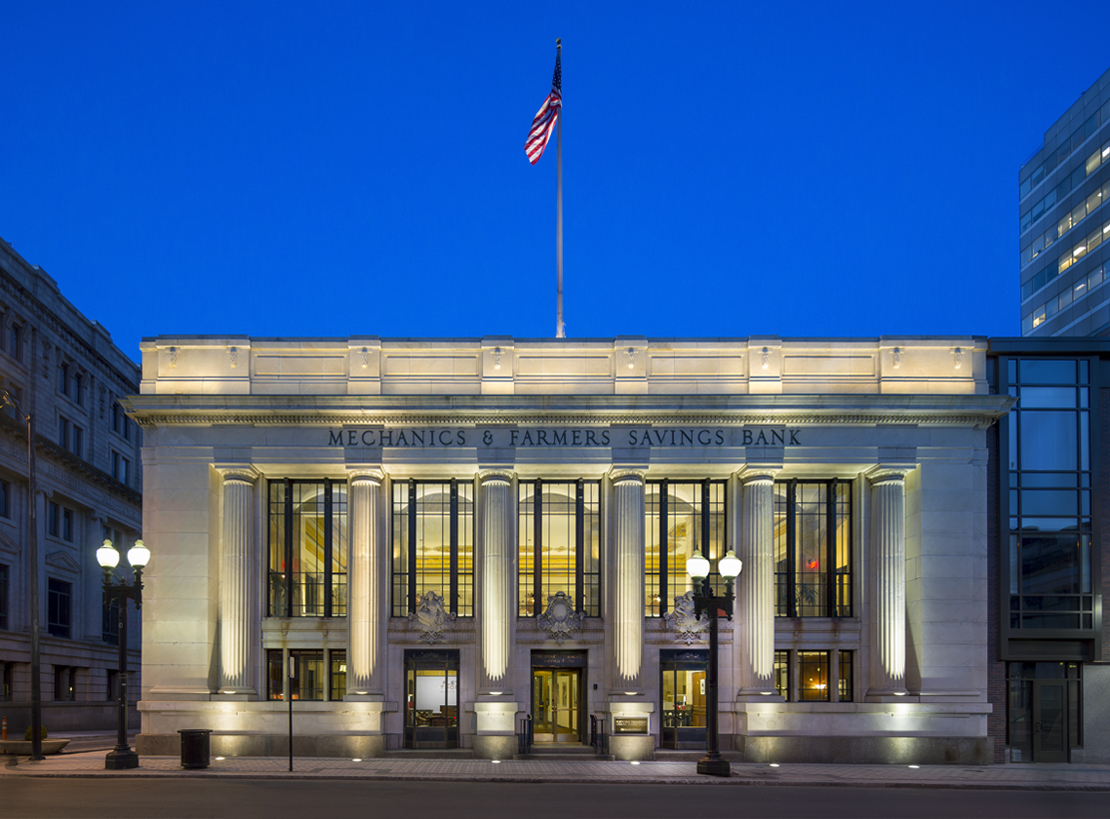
column 235, row 695
column 351, row 696
column 888, row 695
column 768, row 694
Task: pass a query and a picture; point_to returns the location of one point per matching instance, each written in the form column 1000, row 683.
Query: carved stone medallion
column 431, row 617
column 683, row 620
column 560, row 618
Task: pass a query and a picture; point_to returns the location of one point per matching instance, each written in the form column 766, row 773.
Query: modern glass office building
column 1064, row 224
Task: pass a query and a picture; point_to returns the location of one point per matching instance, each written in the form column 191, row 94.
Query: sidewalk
column 997, row 777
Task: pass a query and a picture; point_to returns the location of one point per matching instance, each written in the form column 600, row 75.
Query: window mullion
column 830, row 548
column 579, row 544
column 288, row 547
column 412, row 544
column 454, row 580
column 327, row 548
column 537, row 547
column 664, row 548
column 705, row 506
column 791, row 568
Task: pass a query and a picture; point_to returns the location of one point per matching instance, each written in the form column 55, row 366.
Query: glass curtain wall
column 813, row 544
column 682, row 517
column 1050, row 477
column 433, row 545
column 560, row 545
column 308, row 548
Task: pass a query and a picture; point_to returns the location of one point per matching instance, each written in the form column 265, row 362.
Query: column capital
column 624, row 474
column 370, row 474
column 888, row 473
column 242, row 473
column 749, row 473
column 495, row 475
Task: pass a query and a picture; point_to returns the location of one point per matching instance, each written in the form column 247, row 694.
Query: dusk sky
column 730, row 169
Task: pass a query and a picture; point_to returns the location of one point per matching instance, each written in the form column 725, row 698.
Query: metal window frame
column 287, row 545
column 703, row 511
column 830, row 608
column 411, row 518
column 579, row 545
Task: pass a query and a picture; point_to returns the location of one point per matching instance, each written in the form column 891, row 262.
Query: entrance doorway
column 1044, row 711
column 555, row 695
column 684, row 701
column 558, row 696
column 431, row 699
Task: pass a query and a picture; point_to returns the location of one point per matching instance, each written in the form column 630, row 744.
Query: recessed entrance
column 558, row 696
column 1045, row 701
column 684, row 703
column 431, row 699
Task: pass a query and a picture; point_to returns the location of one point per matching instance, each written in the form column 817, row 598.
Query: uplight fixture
column 635, row 762
column 914, row 766
column 356, row 760
column 774, row 764
column 496, row 761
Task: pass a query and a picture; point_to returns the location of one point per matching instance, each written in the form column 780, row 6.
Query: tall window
column 121, row 467
column 15, row 341
column 337, row 676
column 813, row 548
column 1050, row 495
column 308, row 548
column 3, row 597
column 682, row 517
column 65, row 682
column 433, row 545
column 59, row 606
column 560, row 545
column 5, row 499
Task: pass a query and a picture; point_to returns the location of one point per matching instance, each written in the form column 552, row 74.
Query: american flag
column 544, row 123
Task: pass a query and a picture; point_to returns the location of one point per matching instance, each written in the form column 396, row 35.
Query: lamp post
column 122, row 756
column 704, row 601
column 6, row 398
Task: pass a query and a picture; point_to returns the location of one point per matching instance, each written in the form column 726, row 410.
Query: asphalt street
column 244, row 799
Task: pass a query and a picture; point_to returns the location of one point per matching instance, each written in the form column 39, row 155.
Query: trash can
column 194, row 747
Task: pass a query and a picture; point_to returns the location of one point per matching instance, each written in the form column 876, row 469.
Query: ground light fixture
column 120, row 591
column 697, row 566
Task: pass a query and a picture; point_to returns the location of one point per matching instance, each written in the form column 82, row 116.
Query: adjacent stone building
column 65, row 371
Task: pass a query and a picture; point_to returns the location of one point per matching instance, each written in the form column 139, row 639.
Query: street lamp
column 8, row 399
column 122, row 756
column 697, row 567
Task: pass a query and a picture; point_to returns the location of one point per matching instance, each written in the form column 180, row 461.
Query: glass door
column 1050, row 726
column 555, row 695
column 431, row 699
column 684, row 702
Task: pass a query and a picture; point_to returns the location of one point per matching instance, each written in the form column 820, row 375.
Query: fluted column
column 888, row 583
column 755, row 587
column 365, row 640
column 628, row 580
column 497, row 575
column 239, row 567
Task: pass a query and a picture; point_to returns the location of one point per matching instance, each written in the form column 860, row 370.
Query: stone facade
column 66, row 372
column 898, row 423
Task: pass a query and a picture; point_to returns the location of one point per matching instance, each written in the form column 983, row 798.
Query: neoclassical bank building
column 426, row 543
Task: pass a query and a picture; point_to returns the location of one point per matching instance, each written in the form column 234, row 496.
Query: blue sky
column 730, row 169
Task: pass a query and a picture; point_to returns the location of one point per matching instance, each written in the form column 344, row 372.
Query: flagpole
column 559, row 329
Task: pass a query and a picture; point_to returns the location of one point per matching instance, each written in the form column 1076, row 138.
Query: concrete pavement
column 1007, row 777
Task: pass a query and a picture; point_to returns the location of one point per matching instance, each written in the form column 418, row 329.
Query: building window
column 15, row 341
column 3, row 597
column 307, row 682
column 65, row 683
column 121, row 468
column 63, row 378
column 308, row 548
column 337, row 676
column 782, row 675
column 813, row 537
column 109, row 624
column 682, row 517
column 7, row 671
column 813, row 676
column 560, row 545
column 79, row 389
column 845, row 680
column 70, row 436
column 121, row 424
column 111, row 690
column 433, row 545
column 1050, row 476
column 59, row 521
column 59, row 607
column 5, row 499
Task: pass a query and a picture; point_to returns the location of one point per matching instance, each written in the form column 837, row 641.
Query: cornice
column 764, row 410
